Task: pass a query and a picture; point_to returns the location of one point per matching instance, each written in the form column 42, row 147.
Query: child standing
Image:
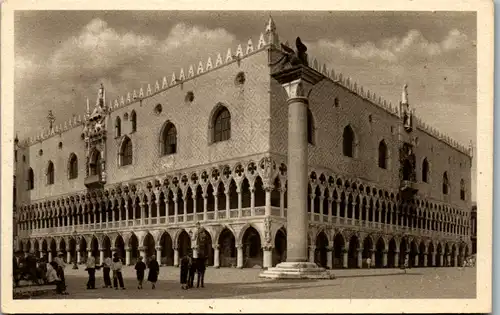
column 140, row 267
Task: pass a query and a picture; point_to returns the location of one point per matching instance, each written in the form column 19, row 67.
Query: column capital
column 298, row 81
column 239, row 246
column 158, row 247
column 141, row 248
column 215, row 246
column 329, row 248
column 267, row 247
column 312, row 247
column 113, row 249
column 128, row 249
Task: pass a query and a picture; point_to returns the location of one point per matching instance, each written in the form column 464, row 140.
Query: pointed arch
column 462, row 189
column 118, row 127
column 50, row 173
column 220, row 124
column 425, row 171
column 31, row 179
column 348, row 138
column 382, row 155
column 446, row 184
column 126, row 152
column 72, row 166
column 95, row 162
column 168, row 138
column 133, row 120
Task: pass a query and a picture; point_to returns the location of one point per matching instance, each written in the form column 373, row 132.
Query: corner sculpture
column 294, row 58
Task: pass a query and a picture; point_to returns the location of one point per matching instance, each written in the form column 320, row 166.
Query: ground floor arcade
column 253, row 244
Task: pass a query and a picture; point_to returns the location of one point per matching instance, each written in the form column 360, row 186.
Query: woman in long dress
column 154, row 270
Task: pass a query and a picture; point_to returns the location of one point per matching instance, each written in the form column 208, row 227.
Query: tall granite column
column 297, row 81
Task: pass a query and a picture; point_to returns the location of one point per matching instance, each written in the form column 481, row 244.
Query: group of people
column 189, row 268
column 115, row 265
column 41, row 271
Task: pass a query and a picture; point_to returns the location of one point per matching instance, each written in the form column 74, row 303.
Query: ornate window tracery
column 222, row 125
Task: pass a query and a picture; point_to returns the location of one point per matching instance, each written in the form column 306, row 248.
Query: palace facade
column 199, row 161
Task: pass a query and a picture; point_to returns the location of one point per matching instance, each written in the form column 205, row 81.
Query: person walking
column 140, row 266
column 184, row 271
column 106, row 268
column 91, row 270
column 154, row 270
column 200, row 270
column 117, row 272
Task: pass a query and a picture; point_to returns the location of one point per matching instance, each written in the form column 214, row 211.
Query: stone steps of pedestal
column 288, row 273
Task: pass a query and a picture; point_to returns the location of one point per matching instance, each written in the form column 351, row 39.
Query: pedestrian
column 59, row 260
column 91, row 271
column 184, row 271
column 368, row 262
column 154, row 270
column 117, row 272
column 106, row 268
column 140, row 266
column 200, row 270
column 405, row 264
column 192, row 270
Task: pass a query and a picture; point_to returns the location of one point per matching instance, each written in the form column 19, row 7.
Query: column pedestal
column 297, row 82
column 268, row 257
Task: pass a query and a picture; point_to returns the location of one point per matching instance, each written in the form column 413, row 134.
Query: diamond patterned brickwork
column 249, row 122
column 327, row 152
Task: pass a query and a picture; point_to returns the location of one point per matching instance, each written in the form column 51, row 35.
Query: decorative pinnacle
column 51, row 118
column 404, row 96
column 271, row 26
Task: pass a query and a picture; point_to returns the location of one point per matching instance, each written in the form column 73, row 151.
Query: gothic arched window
column 348, row 141
column 446, row 186
column 310, row 127
column 31, row 179
column 50, row 173
column 133, row 120
column 95, row 163
column 462, row 189
column 169, row 139
column 382, row 155
column 118, row 127
column 425, row 171
column 221, row 124
column 126, row 152
column 73, row 166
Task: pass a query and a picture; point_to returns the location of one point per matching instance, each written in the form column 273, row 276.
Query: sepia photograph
column 247, row 155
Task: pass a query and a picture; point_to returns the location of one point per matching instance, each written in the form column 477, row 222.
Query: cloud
column 123, row 61
column 395, row 49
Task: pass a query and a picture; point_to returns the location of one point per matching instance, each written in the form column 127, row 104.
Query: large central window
column 126, row 152
column 222, row 125
column 169, row 139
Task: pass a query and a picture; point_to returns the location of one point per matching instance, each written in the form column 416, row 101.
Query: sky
column 61, row 57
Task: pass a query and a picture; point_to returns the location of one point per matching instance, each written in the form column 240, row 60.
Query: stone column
column 329, row 210
column 345, row 258
column 176, row 208
column 176, row 257
column 216, row 256
column 360, row 257
column 425, row 259
column 282, row 202
column 312, row 196
column 142, row 252
column 240, row 200
column 216, row 205
column 267, row 261
column 113, row 251
column 228, row 204
column 158, row 254
column 195, row 251
column 312, row 251
column 268, row 189
column 396, row 259
column 78, row 256
column 89, row 252
column 329, row 256
column 416, row 259
column 384, row 258
column 68, row 256
column 441, row 260
column 127, row 256
column 433, row 262
column 239, row 256
column 252, row 201
column 50, row 255
column 455, row 263
column 101, row 255
column 372, row 257
column 205, row 205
